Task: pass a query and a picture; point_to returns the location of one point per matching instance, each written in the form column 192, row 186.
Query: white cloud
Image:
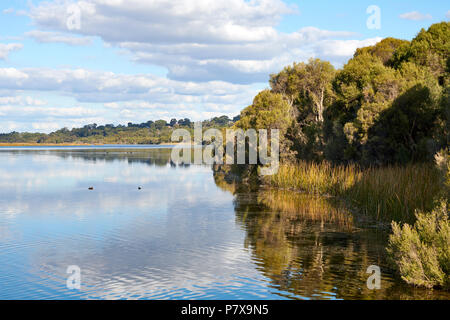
column 163, row 21
column 46, row 126
column 5, row 49
column 415, row 16
column 46, row 112
column 58, row 37
column 8, row 11
column 118, row 98
column 213, row 50
column 447, row 15
column 229, row 40
column 21, row 101
column 112, row 105
column 47, row 119
column 97, row 86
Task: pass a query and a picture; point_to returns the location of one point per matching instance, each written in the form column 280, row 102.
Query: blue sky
column 138, row 60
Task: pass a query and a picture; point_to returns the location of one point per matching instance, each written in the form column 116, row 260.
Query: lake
column 185, row 234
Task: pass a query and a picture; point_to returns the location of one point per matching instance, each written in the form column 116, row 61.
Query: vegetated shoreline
column 31, row 144
column 385, row 193
column 35, row 144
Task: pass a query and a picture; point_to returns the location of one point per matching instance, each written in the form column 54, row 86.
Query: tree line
column 150, row 132
column 388, row 104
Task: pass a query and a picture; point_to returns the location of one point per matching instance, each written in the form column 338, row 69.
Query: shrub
column 421, row 252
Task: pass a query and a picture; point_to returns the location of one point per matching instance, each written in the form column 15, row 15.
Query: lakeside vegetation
column 369, row 133
column 388, row 193
column 308, row 244
column 422, row 251
column 390, row 104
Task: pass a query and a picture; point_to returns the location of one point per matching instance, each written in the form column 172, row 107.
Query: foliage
column 268, row 111
column 307, row 88
column 392, row 80
column 422, row 252
column 384, row 50
column 429, row 49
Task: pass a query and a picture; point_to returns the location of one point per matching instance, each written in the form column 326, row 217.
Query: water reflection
column 176, row 238
column 153, row 156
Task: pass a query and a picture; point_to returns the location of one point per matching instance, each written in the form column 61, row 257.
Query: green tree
column 384, row 50
column 430, row 49
column 269, row 111
column 160, row 124
column 308, row 85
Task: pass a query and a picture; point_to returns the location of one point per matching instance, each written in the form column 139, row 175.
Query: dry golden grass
column 389, row 193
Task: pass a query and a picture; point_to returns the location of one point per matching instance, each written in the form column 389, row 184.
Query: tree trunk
column 320, row 106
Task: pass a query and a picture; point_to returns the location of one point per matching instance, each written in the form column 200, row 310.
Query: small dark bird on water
column 139, row 188
column 91, row 188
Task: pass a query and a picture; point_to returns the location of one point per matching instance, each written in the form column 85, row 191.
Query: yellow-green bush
column 421, row 252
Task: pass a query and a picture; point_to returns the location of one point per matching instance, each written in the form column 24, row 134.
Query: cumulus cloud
column 98, row 86
column 217, row 54
column 40, row 118
column 5, row 49
column 163, row 21
column 127, row 97
column 58, row 37
column 447, row 15
column 229, row 40
column 415, row 16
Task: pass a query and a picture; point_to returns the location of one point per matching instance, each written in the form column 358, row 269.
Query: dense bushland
column 388, row 105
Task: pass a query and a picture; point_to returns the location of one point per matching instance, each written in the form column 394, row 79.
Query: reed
column 389, row 193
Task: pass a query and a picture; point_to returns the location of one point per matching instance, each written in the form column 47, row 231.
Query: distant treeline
column 150, row 132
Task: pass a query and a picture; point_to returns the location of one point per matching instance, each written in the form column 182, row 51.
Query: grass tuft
column 389, row 193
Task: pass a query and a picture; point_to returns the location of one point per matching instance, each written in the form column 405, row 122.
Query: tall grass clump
column 389, row 193
column 395, row 193
column 314, row 178
column 421, row 253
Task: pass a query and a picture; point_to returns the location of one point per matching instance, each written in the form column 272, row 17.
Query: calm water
column 187, row 234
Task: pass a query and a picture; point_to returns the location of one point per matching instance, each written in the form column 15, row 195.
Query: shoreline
column 31, row 144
